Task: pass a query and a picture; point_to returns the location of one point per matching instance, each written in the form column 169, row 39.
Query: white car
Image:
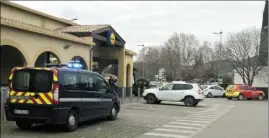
column 213, row 90
column 189, row 93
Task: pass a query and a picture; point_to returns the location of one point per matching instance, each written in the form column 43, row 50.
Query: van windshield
column 31, row 80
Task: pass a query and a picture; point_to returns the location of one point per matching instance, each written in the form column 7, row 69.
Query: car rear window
column 30, row 80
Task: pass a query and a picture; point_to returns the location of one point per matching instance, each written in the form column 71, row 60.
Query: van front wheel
column 24, row 124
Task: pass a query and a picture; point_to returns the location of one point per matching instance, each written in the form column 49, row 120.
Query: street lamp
column 220, row 48
column 143, row 58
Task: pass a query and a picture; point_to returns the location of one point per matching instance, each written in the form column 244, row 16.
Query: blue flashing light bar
column 75, row 65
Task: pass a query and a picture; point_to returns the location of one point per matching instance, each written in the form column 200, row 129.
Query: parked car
column 213, row 90
column 189, row 93
column 241, row 91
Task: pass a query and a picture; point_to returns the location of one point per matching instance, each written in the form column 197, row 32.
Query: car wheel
column 24, row 124
column 113, row 113
column 151, row 99
column 72, row 121
column 240, row 97
column 223, row 95
column 260, row 97
column 158, row 102
column 229, row 98
column 209, row 95
column 195, row 104
column 189, row 101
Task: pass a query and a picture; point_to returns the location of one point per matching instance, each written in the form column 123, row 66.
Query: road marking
column 226, row 110
column 196, row 118
column 203, row 116
column 166, row 135
column 174, row 130
column 191, row 124
column 218, row 113
column 149, row 116
column 199, row 119
column 192, row 121
column 183, row 127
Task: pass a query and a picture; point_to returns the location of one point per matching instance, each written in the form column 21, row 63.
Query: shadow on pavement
column 50, row 128
column 178, row 104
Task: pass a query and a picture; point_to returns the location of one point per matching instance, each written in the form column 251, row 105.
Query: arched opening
column 47, row 57
column 10, row 57
column 79, row 61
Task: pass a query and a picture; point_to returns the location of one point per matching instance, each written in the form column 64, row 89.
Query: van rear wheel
column 72, row 121
column 24, row 124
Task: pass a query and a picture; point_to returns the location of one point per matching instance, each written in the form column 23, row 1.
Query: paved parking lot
column 212, row 118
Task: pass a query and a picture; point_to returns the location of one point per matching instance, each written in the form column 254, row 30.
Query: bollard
column 131, row 95
column 138, row 94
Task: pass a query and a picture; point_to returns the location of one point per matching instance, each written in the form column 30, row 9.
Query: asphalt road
column 212, row 118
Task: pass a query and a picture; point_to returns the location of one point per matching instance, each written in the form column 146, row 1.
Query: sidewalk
column 128, row 100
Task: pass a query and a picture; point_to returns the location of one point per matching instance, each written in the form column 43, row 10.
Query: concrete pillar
column 121, row 73
column 129, row 72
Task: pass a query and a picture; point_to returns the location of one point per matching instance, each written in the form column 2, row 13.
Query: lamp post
column 220, row 48
column 143, row 58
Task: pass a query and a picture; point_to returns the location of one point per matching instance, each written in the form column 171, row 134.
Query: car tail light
column 199, row 91
column 56, row 94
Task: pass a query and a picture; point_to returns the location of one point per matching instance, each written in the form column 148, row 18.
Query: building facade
column 32, row 38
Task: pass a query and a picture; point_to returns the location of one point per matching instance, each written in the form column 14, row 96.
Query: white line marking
column 149, row 116
column 216, row 113
column 183, row 127
column 194, row 121
column 166, row 135
column 174, row 130
column 230, row 107
column 203, row 116
column 200, row 119
column 190, row 124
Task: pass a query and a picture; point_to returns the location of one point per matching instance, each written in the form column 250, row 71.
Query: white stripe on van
column 85, row 99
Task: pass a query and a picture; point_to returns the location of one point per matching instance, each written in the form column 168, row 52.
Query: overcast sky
column 153, row 22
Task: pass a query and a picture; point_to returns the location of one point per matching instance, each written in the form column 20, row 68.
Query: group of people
column 113, row 83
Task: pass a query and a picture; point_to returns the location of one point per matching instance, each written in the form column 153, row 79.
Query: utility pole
column 220, row 49
column 143, row 50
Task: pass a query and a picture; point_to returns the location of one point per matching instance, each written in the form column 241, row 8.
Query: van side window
column 100, row 84
column 86, row 82
column 71, row 82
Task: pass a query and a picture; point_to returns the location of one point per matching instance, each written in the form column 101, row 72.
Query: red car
column 242, row 91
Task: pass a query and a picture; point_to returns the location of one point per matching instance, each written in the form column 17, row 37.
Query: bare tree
column 242, row 52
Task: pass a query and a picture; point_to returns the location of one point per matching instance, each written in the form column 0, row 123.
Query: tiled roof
column 81, row 28
column 37, row 12
column 37, row 29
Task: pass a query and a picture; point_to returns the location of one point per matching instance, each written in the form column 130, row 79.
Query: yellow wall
column 32, row 45
column 30, row 18
column 129, row 60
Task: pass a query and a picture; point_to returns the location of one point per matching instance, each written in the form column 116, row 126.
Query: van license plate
column 21, row 112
